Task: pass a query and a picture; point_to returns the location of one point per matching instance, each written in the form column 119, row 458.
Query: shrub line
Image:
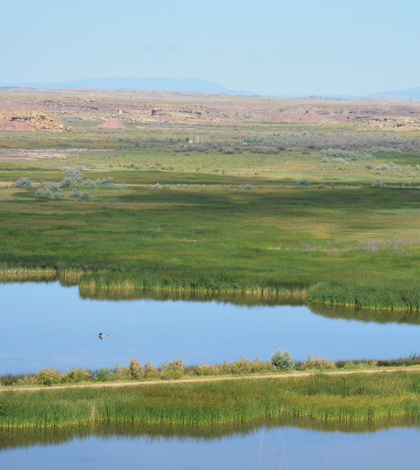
column 213, row 379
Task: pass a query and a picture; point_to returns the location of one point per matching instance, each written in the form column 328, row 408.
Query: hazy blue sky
column 294, row 47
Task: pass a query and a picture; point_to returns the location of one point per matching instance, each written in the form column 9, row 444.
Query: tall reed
column 319, row 397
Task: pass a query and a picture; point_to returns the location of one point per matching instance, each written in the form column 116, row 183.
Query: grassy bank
column 341, row 246
column 177, row 369
column 223, row 216
column 354, row 397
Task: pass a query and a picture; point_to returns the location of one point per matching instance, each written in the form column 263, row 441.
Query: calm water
column 266, row 447
column 46, row 324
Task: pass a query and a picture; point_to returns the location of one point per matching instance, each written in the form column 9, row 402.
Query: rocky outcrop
column 402, row 124
column 35, row 121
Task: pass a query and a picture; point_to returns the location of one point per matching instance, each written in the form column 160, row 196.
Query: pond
column 48, row 324
column 290, row 445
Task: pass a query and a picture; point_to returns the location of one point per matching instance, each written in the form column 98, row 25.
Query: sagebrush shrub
column 85, row 197
column 58, row 195
column 52, row 186
column 43, row 192
column 283, row 361
column 75, row 194
column 303, row 182
column 104, row 374
column 24, row 182
column 72, row 177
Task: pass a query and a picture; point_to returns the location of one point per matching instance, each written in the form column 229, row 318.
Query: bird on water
column 105, row 336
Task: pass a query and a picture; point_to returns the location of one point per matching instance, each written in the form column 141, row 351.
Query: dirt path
column 211, row 379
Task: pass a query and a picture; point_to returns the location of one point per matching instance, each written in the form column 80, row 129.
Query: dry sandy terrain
column 43, row 109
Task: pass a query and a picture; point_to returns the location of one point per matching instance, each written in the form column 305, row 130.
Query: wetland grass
column 287, row 243
column 357, row 397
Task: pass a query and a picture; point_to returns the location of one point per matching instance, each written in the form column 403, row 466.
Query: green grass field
column 355, row 397
column 341, row 240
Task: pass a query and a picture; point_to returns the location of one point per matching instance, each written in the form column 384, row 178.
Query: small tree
column 104, row 374
column 283, row 361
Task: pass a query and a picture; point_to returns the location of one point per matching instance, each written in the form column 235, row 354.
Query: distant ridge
column 410, row 93
column 193, row 85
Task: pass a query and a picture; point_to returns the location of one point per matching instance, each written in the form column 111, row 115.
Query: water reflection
column 22, row 438
column 296, row 445
column 61, row 325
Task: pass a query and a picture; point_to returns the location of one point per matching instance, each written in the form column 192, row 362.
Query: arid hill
column 43, row 109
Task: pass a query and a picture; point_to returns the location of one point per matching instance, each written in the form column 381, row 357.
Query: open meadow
column 322, row 211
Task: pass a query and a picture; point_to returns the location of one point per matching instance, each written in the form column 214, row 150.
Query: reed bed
column 357, row 397
column 356, row 247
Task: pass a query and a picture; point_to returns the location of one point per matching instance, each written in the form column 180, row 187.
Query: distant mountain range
column 410, row 93
column 193, row 85
column 148, row 83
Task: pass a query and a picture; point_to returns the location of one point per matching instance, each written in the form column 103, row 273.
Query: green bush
column 85, row 197
column 283, row 361
column 303, row 182
column 75, row 194
column 135, row 371
column 75, row 375
column 378, row 184
column 24, row 183
column 72, row 177
column 48, row 376
column 317, row 363
column 52, row 186
column 104, row 374
column 173, row 370
column 58, row 195
column 43, row 192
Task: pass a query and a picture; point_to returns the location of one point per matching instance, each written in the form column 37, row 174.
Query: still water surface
column 46, row 325
column 265, row 447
